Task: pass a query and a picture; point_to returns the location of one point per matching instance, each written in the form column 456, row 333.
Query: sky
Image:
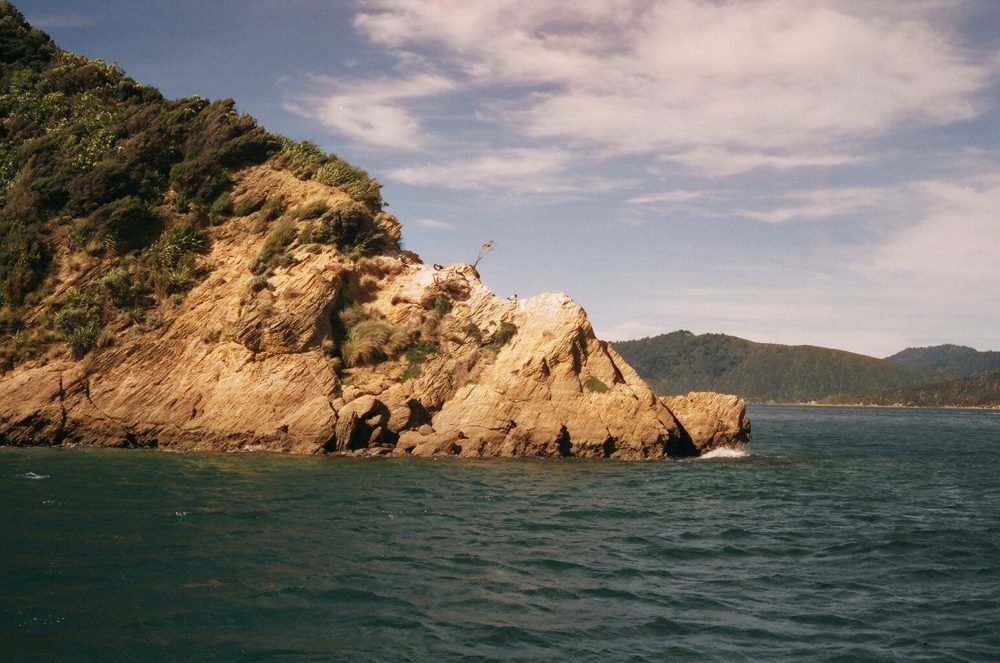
column 821, row 172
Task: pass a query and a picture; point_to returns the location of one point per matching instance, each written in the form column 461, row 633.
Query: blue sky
column 821, row 172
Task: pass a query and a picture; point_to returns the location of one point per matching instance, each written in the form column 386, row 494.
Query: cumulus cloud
column 728, row 87
column 373, row 112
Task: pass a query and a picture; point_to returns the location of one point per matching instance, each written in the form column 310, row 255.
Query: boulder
column 711, row 420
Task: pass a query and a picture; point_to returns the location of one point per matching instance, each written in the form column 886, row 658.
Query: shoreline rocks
column 459, row 370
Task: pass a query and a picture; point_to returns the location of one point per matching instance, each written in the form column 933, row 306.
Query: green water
column 848, row 534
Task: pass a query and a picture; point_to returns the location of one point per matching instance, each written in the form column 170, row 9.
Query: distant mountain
column 680, row 362
column 956, row 360
column 981, row 390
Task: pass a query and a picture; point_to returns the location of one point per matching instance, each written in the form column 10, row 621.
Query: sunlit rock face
column 282, row 365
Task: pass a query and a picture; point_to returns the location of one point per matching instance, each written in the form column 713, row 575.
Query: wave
column 724, row 452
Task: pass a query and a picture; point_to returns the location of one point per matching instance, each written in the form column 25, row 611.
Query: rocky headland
column 243, row 365
column 192, row 282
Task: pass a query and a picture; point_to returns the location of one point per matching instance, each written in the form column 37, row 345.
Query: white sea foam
column 32, row 475
column 724, row 452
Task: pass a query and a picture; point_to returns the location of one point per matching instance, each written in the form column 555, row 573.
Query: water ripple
column 846, row 535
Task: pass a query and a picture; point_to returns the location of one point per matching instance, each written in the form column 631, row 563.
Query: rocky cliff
column 274, row 365
column 172, row 275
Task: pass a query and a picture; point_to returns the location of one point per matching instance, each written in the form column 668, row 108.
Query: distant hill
column 680, row 362
column 956, row 360
column 981, row 390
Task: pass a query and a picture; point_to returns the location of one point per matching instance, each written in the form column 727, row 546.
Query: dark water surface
column 847, row 534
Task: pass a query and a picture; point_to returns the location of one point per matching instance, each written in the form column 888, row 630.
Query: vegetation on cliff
column 104, row 179
column 680, row 362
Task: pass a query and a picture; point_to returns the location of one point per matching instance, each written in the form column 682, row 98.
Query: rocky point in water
column 287, row 317
column 458, row 370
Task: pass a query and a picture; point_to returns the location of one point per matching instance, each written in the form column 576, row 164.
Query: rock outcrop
column 244, row 365
column 710, row 420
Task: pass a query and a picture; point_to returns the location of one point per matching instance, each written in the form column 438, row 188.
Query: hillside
column 955, row 360
column 172, row 275
column 680, row 362
column 107, row 185
column 981, row 390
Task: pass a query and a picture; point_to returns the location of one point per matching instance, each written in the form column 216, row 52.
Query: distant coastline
column 883, row 407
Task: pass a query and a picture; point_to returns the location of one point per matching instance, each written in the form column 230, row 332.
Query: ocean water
column 846, row 534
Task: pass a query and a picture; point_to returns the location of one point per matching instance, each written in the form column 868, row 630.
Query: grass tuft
column 595, row 385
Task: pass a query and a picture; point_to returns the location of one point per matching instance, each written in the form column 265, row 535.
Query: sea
column 844, row 534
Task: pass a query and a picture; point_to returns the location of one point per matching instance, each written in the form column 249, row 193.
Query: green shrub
column 174, row 243
column 312, row 209
column 106, row 182
column 172, row 258
column 350, row 228
column 78, row 320
column 352, row 315
column 125, row 224
column 416, row 355
column 419, row 352
column 595, row 385
column 23, row 256
column 473, row 332
column 181, row 203
column 353, row 181
column 199, row 178
column 338, row 172
column 274, row 245
column 20, row 43
column 502, row 336
column 251, row 148
column 249, row 205
column 442, row 306
column 272, row 209
column 119, row 287
column 307, row 161
column 365, row 191
column 257, row 283
column 371, row 340
column 303, row 158
column 223, row 205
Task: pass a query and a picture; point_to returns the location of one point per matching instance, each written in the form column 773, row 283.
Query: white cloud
column 713, row 86
column 373, row 112
column 667, row 197
column 433, row 224
column 58, row 21
column 724, row 161
column 523, row 170
column 627, row 330
column 821, row 204
column 953, row 251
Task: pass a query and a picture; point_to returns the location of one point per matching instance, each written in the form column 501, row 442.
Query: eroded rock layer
column 282, row 364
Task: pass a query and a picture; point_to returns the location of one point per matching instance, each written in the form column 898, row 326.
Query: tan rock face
column 233, row 368
column 711, row 420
